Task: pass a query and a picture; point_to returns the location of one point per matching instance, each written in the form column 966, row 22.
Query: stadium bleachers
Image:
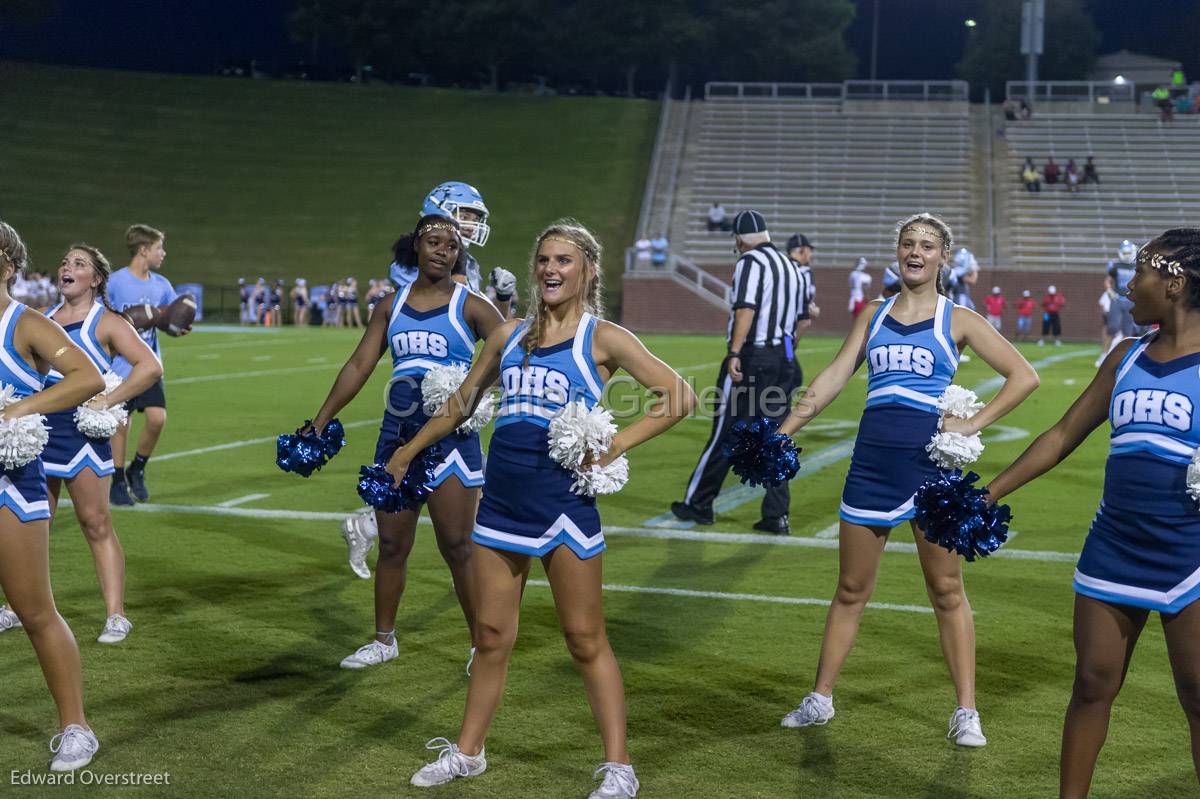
column 811, row 165
column 1150, row 175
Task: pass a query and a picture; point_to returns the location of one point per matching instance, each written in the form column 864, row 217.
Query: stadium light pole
column 1033, row 17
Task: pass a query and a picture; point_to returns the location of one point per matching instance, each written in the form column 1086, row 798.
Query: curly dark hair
column 404, row 251
column 1181, row 245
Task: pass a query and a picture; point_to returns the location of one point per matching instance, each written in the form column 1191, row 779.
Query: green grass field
column 230, row 679
column 295, row 179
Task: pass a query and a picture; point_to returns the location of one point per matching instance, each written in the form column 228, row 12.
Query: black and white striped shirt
column 769, row 282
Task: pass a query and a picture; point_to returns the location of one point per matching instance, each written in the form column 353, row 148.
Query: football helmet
column 453, row 197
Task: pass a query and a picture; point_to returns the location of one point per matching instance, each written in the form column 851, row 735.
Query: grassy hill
column 287, row 179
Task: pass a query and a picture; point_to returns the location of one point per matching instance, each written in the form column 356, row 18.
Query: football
column 143, row 316
column 176, row 319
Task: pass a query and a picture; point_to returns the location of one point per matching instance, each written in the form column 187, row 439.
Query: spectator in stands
column 642, row 247
column 1024, row 315
column 1090, row 175
column 1178, row 81
column 659, row 247
column 1010, row 109
column 1072, row 175
column 1026, row 111
column 996, row 304
column 1162, row 98
column 1030, row 176
column 716, row 218
column 1052, row 305
column 1050, row 171
column 859, row 280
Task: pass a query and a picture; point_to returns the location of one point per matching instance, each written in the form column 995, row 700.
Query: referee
column 758, row 370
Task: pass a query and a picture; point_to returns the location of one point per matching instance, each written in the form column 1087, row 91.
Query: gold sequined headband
column 436, row 226
column 927, row 231
column 1156, row 260
column 590, row 256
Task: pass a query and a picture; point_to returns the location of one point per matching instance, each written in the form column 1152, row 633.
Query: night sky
column 918, row 39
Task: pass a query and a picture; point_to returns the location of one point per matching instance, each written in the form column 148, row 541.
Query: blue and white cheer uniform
column 69, row 452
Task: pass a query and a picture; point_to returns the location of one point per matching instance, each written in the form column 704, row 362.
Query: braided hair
column 12, row 251
column 593, row 300
column 101, row 267
column 1176, row 252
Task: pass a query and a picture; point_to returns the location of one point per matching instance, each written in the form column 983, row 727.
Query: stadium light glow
column 970, row 23
column 1120, row 80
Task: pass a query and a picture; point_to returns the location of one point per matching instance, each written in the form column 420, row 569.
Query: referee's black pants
column 768, row 377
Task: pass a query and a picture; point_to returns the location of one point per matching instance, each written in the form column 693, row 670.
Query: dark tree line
column 614, row 46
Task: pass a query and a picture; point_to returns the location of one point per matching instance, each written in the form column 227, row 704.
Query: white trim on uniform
column 938, row 316
column 88, row 337
column 22, row 372
column 525, row 409
column 1157, row 439
column 397, row 304
column 520, row 335
column 414, row 365
column 902, row 391
column 1132, row 356
column 881, row 515
column 562, row 524
column 582, row 363
column 8, row 489
column 1133, row 592
column 85, row 453
column 456, row 308
column 880, row 315
column 455, row 459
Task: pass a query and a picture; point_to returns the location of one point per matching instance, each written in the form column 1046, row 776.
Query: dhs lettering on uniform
column 420, row 342
column 537, row 381
column 1152, row 406
column 901, row 358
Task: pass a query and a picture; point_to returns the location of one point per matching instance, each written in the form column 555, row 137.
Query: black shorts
column 153, row 397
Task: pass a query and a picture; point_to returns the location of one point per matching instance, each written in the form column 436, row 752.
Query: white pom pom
column 439, row 384
column 484, row 412
column 1193, row 477
column 597, row 480
column 21, row 440
column 955, row 450
column 959, row 402
column 575, row 430
column 102, row 422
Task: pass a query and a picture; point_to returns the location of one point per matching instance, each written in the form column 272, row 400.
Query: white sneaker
column 115, row 629
column 964, row 358
column 813, row 709
column 360, row 532
column 1041, row 342
column 619, row 782
column 965, row 728
column 371, row 654
column 8, row 619
column 1057, row 342
column 450, row 764
column 470, row 660
column 73, row 748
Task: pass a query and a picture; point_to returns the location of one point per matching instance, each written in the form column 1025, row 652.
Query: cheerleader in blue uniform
column 911, row 343
column 433, row 321
column 1143, row 550
column 86, row 463
column 561, row 353
column 31, row 346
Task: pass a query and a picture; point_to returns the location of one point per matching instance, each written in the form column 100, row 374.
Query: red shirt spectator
column 1053, row 302
column 1025, row 306
column 995, row 304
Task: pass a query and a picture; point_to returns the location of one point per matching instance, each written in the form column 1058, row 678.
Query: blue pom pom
column 956, row 515
column 760, row 455
column 377, row 487
column 304, row 452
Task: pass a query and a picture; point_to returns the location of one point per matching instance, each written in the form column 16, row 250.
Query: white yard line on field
column 246, row 442
column 229, row 503
column 654, row 533
column 780, row 600
column 177, row 381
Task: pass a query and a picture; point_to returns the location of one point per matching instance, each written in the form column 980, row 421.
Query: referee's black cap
column 748, row 222
column 799, row 240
